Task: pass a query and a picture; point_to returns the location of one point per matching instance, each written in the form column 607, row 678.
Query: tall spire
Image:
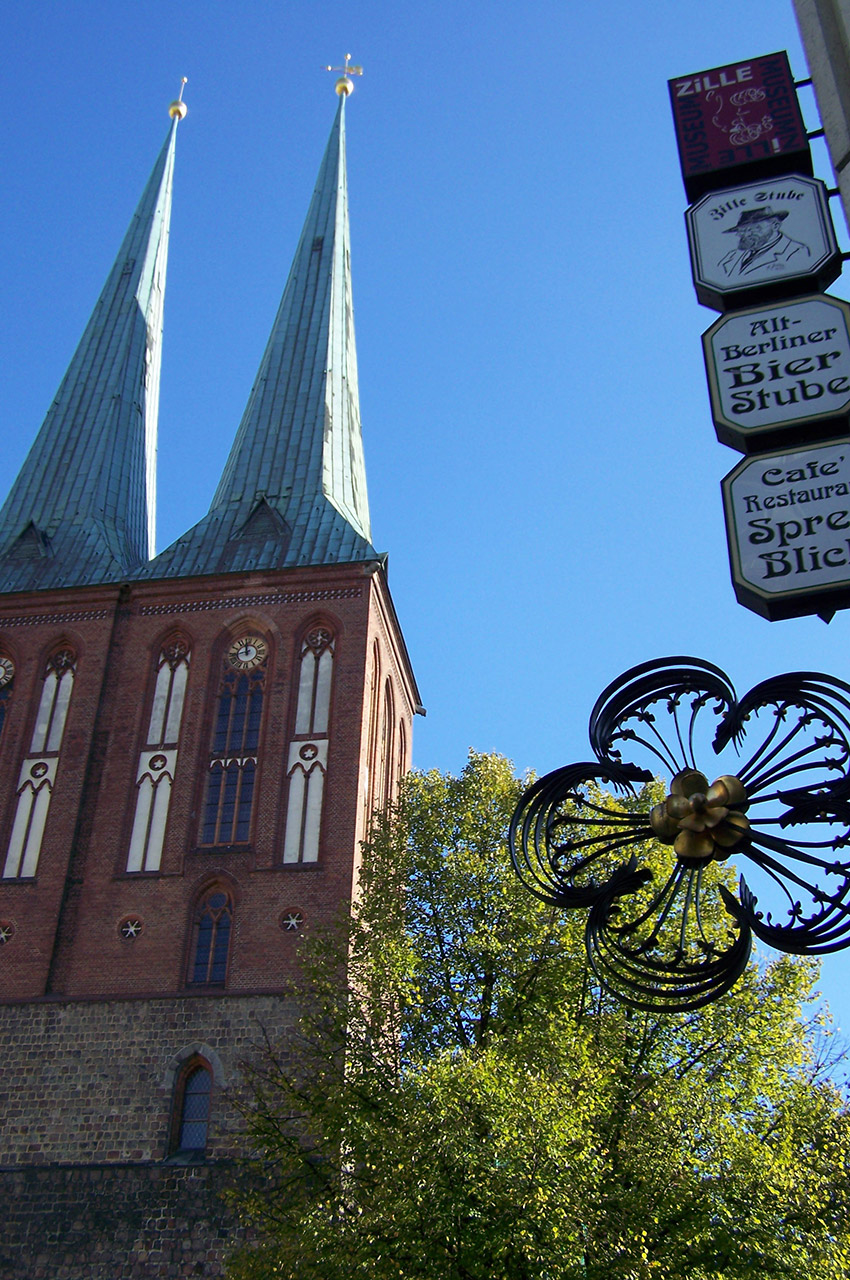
column 293, row 490
column 82, row 507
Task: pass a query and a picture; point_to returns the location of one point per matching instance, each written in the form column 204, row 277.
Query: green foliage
column 461, row 1103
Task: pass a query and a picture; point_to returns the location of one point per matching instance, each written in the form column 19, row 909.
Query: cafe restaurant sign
column 760, row 242
column 788, row 528
column 737, row 121
column 780, row 375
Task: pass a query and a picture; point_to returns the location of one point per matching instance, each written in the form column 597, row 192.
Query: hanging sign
column 788, row 528
column 780, row 375
column 737, row 121
column 763, row 241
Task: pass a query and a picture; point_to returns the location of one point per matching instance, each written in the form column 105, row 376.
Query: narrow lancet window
column 402, row 752
column 387, row 773
column 38, row 771
column 212, row 929
column 370, row 788
column 158, row 759
column 308, row 751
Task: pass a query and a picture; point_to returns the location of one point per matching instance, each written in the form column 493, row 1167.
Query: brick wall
column 94, row 1026
column 65, row 922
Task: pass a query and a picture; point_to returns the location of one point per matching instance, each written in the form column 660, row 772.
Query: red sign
column 744, row 117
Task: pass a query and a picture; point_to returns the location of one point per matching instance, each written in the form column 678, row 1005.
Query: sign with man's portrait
column 765, row 240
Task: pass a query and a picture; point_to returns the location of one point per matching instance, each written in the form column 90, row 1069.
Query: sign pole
column 825, row 32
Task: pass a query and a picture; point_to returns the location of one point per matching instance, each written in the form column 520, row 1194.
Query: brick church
column 192, row 746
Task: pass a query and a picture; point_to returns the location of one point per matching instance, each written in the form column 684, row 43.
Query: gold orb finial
column 345, row 85
column 178, row 108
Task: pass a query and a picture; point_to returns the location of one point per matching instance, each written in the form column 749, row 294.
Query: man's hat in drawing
column 749, row 216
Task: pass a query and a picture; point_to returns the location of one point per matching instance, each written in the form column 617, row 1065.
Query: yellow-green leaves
column 461, row 1103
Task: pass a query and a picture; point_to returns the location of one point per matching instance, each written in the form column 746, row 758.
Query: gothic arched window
column 308, row 750
column 402, row 751
column 387, row 776
column 158, row 759
column 38, row 771
column 235, row 746
column 191, row 1108
column 212, row 931
column 371, row 785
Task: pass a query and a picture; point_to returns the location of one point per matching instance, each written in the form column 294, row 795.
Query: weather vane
column 782, row 803
column 345, row 85
column 178, row 108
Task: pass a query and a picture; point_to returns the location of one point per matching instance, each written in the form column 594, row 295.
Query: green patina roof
column 293, row 491
column 82, row 508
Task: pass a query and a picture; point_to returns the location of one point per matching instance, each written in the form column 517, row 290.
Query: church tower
column 193, row 745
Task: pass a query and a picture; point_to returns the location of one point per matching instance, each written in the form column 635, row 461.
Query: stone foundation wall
column 124, row 1222
column 86, row 1090
column 93, row 1081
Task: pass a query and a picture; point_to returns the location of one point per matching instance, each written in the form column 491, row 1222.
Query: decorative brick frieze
column 58, row 619
column 241, row 602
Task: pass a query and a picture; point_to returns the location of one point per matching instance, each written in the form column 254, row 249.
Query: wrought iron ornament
column 779, row 797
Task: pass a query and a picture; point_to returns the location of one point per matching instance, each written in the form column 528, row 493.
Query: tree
column 461, row 1102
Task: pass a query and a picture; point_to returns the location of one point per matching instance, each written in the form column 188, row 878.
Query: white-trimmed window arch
column 308, row 750
column 38, row 770
column 158, row 757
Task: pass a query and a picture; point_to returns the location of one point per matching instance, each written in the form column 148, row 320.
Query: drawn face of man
column 759, row 233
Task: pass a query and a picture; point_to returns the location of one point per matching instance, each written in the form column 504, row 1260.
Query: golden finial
column 345, row 85
column 178, row 108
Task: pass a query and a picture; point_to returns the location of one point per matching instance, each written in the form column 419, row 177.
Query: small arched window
column 191, row 1111
column 211, row 935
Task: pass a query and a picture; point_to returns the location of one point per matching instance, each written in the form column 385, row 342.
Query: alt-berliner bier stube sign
column 780, row 375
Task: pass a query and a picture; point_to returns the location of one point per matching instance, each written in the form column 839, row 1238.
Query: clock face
column 247, row 652
column 7, row 670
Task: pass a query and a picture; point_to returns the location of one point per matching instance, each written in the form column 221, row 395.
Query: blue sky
column 542, row 465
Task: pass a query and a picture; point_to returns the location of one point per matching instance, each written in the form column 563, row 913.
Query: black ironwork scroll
column 587, row 835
